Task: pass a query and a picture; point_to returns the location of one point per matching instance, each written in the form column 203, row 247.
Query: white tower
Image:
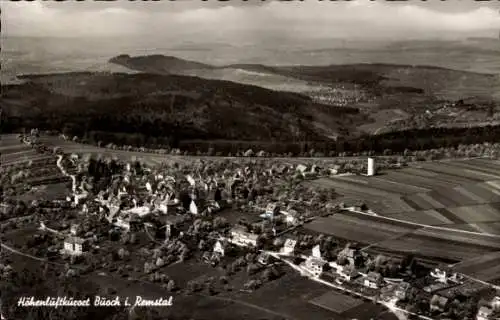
column 371, row 167
column 168, row 231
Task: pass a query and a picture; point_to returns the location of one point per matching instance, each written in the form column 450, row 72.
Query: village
column 133, row 221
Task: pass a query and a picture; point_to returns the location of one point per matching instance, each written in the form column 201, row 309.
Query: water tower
column 371, row 167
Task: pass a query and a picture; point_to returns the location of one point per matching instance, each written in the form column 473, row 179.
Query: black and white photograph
column 250, row 160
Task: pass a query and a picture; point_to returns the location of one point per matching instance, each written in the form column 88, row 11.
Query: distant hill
column 158, row 64
column 378, row 79
column 152, row 109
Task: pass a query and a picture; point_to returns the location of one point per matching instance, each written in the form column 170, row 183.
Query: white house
column 75, row 245
column 314, row 266
column 316, row 252
column 122, row 222
column 219, row 248
column 272, row 209
column 349, row 273
column 243, row 238
column 484, row 313
column 373, row 280
column 495, row 303
column 289, row 246
column 301, row 168
column 140, row 211
column 401, row 291
column 290, row 216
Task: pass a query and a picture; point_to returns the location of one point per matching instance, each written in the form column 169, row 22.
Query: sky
column 253, row 20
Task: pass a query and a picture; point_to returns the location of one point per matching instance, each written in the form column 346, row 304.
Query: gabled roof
column 374, row 276
column 438, row 300
column 290, row 243
column 72, row 239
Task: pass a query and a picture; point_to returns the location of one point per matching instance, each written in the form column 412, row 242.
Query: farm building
column 243, row 238
column 75, row 245
column 373, row 280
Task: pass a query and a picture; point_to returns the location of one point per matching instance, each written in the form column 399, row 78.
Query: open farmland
column 32, row 168
column 485, row 268
column 405, row 238
column 359, row 229
column 461, row 194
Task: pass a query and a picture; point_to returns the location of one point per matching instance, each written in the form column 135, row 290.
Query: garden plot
column 336, row 302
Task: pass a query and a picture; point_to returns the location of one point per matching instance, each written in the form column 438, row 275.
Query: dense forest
column 196, row 115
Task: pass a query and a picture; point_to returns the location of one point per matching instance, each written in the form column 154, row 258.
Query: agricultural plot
column 447, row 168
column 434, row 247
column 429, row 217
column 489, row 227
column 483, row 191
column 336, row 302
column 464, row 227
column 477, row 213
column 290, row 296
column 485, row 268
column 477, row 241
column 356, row 228
column 401, row 187
column 417, row 181
column 481, row 169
